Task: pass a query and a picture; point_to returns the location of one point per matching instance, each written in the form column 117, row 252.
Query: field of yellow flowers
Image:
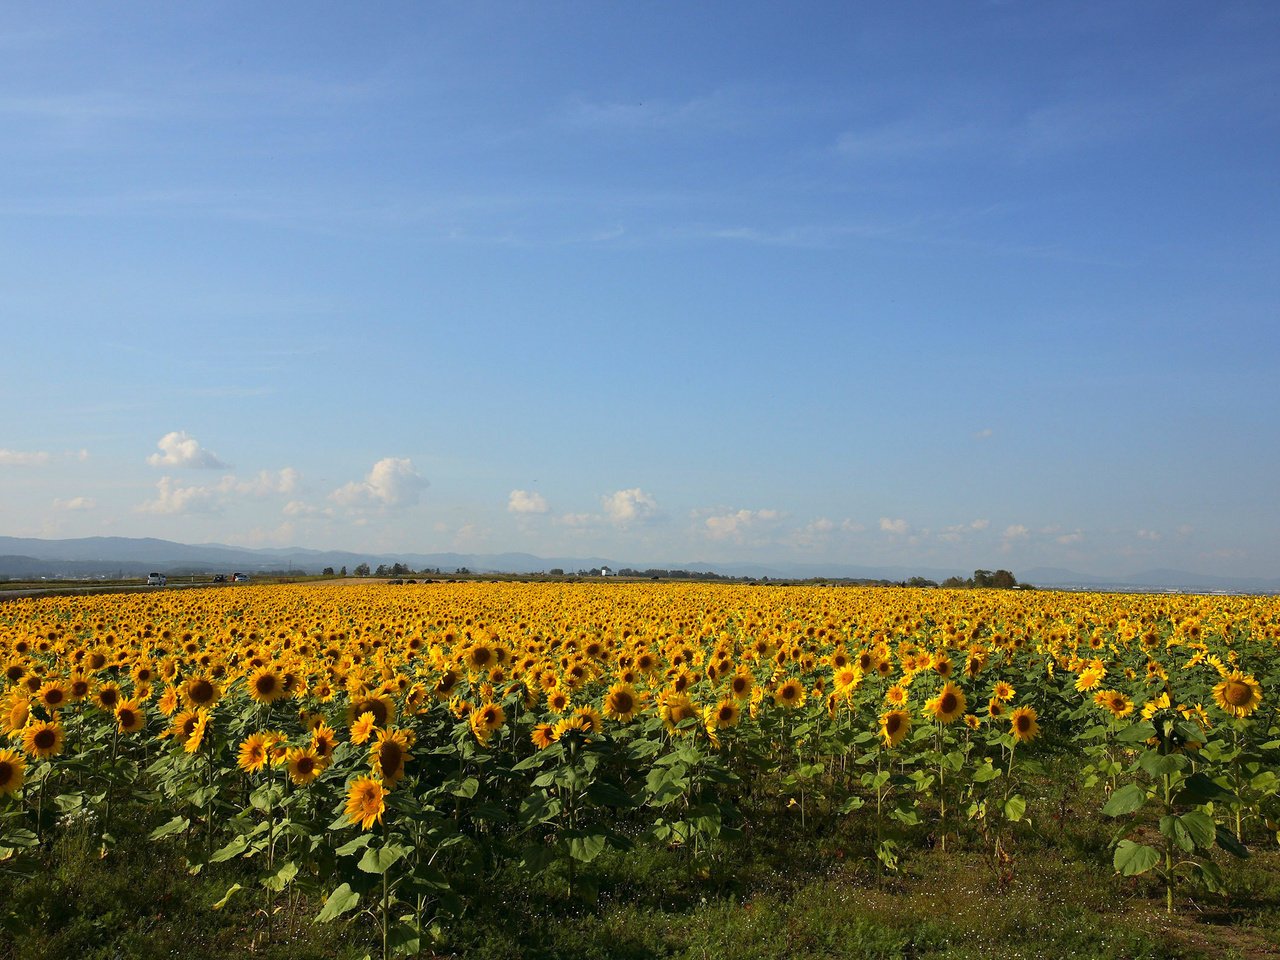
column 376, row 748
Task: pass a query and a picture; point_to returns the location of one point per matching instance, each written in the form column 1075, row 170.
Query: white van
column 156, row 579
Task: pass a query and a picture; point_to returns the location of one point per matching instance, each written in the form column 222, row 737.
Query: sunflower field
column 377, row 751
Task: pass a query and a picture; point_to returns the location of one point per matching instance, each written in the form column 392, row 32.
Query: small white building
column 606, row 572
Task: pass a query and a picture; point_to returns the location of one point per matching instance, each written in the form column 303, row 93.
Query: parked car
column 220, row 578
column 240, row 578
column 156, row 579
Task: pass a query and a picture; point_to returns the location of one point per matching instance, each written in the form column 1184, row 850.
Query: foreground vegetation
column 533, row 770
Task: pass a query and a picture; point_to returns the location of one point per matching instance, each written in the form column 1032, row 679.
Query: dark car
column 220, row 578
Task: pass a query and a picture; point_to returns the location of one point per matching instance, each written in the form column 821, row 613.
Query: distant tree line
column 984, row 580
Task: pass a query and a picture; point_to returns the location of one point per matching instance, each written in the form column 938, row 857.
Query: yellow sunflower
column 621, row 703
column 304, row 764
column 389, row 755
column 948, row 705
column 265, row 686
column 252, row 755
column 366, row 802
column 790, row 694
column 1023, row 725
column 12, row 769
column 43, row 739
column 130, row 716
column 894, row 726
column 1239, row 694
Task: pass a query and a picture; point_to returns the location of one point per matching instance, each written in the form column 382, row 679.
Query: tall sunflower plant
column 1183, row 801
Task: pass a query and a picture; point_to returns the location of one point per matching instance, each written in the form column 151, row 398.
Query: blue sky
column 930, row 284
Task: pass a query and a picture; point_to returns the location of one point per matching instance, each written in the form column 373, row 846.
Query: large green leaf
column 1200, row 827
column 1132, row 858
column 1125, row 800
column 339, row 902
column 380, row 859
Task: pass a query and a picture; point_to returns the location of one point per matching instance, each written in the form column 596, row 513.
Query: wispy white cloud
column 897, row 527
column 177, row 449
column 23, row 458
column 75, row 503
column 525, row 502
column 173, row 498
column 736, row 524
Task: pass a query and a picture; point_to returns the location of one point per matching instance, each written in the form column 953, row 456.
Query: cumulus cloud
column 1066, row 539
column 393, row 482
column 983, row 434
column 173, row 498
column 23, row 458
column 179, row 450
column 1016, row 531
column 525, row 501
column 630, row 506
column 577, row 520
column 75, row 503
column 736, row 524
column 897, row 527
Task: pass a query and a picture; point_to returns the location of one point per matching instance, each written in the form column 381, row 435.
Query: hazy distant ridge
column 106, row 556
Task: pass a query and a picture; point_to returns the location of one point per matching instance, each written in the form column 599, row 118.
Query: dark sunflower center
column 44, row 739
column 948, row 703
column 1238, row 694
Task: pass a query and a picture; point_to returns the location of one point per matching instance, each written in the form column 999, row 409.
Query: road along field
column 385, row 748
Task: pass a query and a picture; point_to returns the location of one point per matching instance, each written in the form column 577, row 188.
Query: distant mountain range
column 29, row 558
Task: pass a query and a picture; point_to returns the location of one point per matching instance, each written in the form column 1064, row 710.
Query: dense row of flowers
column 393, row 737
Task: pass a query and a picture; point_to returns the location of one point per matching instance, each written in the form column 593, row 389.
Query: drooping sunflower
column 621, row 703
column 366, row 802
column 1023, row 725
column 389, row 755
column 130, row 716
column 894, row 726
column 12, row 770
column 305, row 764
column 948, row 705
column 1239, row 694
column 43, row 739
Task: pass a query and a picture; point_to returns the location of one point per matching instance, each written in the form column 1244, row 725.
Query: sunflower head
column 12, row 770
column 1023, row 725
column 366, row 802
